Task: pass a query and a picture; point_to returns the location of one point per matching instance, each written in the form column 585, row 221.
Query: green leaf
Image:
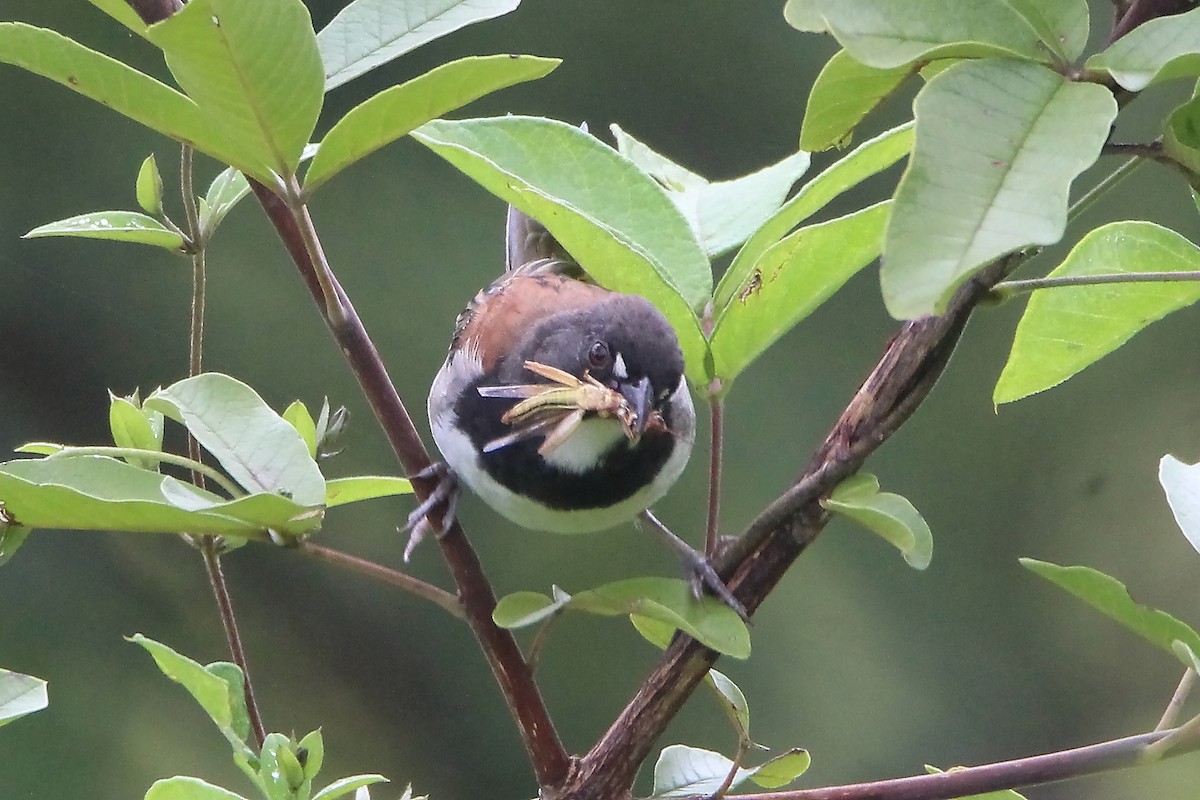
column 20, row 695
column 298, row 417
column 341, row 491
column 181, row 788
column 368, row 33
column 522, row 609
column 707, row 620
column 395, row 112
column 732, row 699
column 235, row 687
column 346, row 785
column 1157, row 50
column 805, row 15
column 1181, row 482
column 613, row 218
column 256, row 446
column 149, row 187
column 683, row 771
column 998, row 144
column 11, row 538
column 789, row 281
column 885, row 34
column 136, row 429
column 869, row 158
column 255, row 72
column 226, row 190
column 116, row 85
column 1110, row 597
column 782, row 769
column 313, row 746
column 99, row 493
column 656, row 633
column 889, row 515
column 1065, row 329
column 121, row 11
column 212, row 691
column 725, row 213
column 118, row 226
column 1181, row 136
column 843, row 94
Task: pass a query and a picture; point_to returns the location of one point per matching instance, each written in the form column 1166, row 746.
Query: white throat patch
column 581, row 451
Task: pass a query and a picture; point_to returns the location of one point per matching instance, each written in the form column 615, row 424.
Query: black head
column 622, row 341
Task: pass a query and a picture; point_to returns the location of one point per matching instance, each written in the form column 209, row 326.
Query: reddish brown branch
column 546, row 752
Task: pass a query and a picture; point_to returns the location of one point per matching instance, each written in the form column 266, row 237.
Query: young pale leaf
column 368, row 33
column 886, row 34
column 732, row 699
column 683, row 771
column 254, row 70
column 612, row 217
column 1181, row 482
column 869, row 158
column 314, row 744
column 889, row 515
column 99, row 493
column 805, row 15
column 844, row 93
column 11, row 538
column 725, row 213
column 1181, row 135
column 1067, row 328
column 149, row 187
column 1110, row 597
column 522, row 609
column 782, row 769
column 132, row 428
column 344, row 786
column 211, row 691
column 235, row 687
column 20, row 695
column 341, row 491
column 117, row 226
column 183, row 788
column 653, row 631
column 395, row 112
column 998, row 144
column 1157, row 50
column 298, row 417
column 256, row 446
column 707, row 620
column 116, row 85
column 226, row 190
column 789, row 281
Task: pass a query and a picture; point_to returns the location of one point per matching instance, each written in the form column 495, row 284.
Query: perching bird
column 620, row 427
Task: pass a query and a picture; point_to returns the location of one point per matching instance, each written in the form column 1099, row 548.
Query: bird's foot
column 447, row 492
column 702, row 574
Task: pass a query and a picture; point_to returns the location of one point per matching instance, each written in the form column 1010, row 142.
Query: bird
column 619, row 429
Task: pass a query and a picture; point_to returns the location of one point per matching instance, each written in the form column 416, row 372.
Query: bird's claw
column 446, row 491
column 700, row 570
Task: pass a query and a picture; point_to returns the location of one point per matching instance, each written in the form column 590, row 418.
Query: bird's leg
column 447, row 490
column 701, row 571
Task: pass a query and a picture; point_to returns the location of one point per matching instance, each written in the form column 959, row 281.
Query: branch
column 1007, row 289
column 757, row 560
column 475, row 594
column 1047, row 768
column 1140, row 11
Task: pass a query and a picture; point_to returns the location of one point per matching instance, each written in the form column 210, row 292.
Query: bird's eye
column 599, row 356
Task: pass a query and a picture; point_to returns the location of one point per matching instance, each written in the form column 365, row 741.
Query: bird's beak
column 641, row 400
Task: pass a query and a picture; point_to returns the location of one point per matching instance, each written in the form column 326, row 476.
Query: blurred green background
column 875, row 668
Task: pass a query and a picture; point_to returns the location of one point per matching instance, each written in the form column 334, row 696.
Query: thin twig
column 1102, row 188
column 738, row 756
column 1007, row 289
column 716, row 410
column 377, row 572
column 1171, row 714
column 1033, row 771
column 216, row 578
